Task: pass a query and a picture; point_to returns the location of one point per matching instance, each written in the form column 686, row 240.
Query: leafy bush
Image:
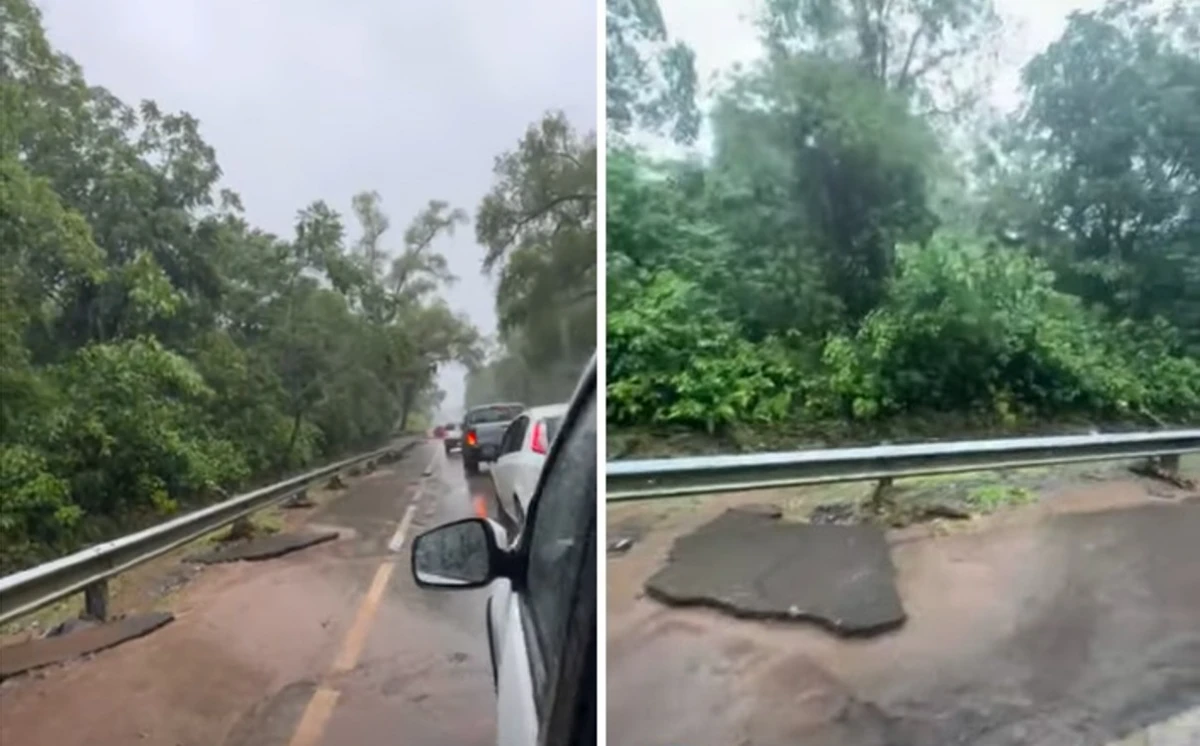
column 672, row 360
column 131, row 430
column 37, row 516
column 968, row 327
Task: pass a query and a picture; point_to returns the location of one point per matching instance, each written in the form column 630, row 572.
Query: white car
column 522, row 454
column 541, row 612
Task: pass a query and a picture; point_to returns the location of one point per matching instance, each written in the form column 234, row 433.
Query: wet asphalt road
column 332, row 645
column 1062, row 628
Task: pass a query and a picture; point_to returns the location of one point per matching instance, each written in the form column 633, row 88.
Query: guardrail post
column 881, row 495
column 298, row 500
column 95, row 601
column 1169, row 464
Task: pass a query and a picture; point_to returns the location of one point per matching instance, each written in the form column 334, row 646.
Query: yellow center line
column 311, row 728
column 316, row 717
column 352, row 644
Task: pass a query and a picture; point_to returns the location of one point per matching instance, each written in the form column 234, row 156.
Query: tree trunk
column 287, row 452
column 407, row 394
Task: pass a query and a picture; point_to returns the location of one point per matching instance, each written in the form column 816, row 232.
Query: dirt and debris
column 75, row 640
column 69, row 626
column 1156, row 468
column 262, row 548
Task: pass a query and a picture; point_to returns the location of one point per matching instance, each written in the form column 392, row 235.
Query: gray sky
column 319, row 99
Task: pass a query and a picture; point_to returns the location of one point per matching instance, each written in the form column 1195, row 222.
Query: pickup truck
column 483, row 429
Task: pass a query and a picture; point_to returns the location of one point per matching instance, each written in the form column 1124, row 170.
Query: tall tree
column 825, row 171
column 538, row 227
column 917, row 48
column 650, row 81
column 1104, row 172
column 155, row 347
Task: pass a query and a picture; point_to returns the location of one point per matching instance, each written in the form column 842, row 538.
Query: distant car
column 523, row 452
column 483, row 428
column 451, row 437
column 541, row 612
column 439, row 432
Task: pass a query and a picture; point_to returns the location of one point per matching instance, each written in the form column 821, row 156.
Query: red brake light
column 470, row 437
column 539, row 438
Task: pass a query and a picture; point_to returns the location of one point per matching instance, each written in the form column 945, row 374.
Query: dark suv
column 483, row 429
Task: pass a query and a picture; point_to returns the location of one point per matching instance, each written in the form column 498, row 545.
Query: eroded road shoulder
column 1075, row 622
column 326, row 632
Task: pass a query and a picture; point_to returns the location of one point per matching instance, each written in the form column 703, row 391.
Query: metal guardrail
column 653, row 478
column 89, row 570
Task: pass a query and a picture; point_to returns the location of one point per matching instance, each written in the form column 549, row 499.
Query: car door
column 549, row 615
column 510, row 446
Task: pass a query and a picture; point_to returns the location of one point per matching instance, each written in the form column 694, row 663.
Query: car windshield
column 497, row 413
column 451, row 428
column 552, row 424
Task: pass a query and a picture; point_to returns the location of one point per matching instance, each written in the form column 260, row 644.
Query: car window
column 451, row 428
column 558, row 542
column 552, row 425
column 514, row 435
column 497, row 413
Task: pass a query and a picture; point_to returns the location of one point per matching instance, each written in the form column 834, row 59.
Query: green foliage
column 974, row 328
column 538, row 225
column 1104, row 173
column 36, row 511
column 838, row 261
column 671, row 360
column 155, row 349
column 131, row 428
column 992, row 497
column 821, row 173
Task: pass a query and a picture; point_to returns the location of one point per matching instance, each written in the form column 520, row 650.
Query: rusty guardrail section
column 654, row 478
column 88, row 571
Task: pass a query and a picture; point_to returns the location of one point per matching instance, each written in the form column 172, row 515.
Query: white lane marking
column 406, row 521
column 398, row 537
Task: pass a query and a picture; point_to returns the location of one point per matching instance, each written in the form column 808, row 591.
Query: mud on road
column 1071, row 622
column 326, row 645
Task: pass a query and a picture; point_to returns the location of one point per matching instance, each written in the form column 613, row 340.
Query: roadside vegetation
column 539, row 228
column 862, row 249
column 158, row 351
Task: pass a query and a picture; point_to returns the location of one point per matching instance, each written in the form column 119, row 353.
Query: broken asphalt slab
column 46, row 651
column 266, row 547
column 751, row 564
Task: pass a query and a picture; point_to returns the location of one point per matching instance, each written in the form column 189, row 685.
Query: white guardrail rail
column 88, row 571
column 672, row 477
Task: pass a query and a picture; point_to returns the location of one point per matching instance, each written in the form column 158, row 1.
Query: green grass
column 993, row 497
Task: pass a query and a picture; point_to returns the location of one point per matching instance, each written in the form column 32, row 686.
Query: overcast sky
column 721, row 34
column 319, row 99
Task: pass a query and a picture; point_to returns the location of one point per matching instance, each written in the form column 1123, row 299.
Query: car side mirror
column 457, row 556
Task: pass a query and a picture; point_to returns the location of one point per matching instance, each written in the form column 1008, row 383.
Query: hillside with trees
column 157, row 350
column 868, row 251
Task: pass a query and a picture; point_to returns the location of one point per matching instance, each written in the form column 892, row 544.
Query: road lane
column 440, row 689
column 257, row 645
